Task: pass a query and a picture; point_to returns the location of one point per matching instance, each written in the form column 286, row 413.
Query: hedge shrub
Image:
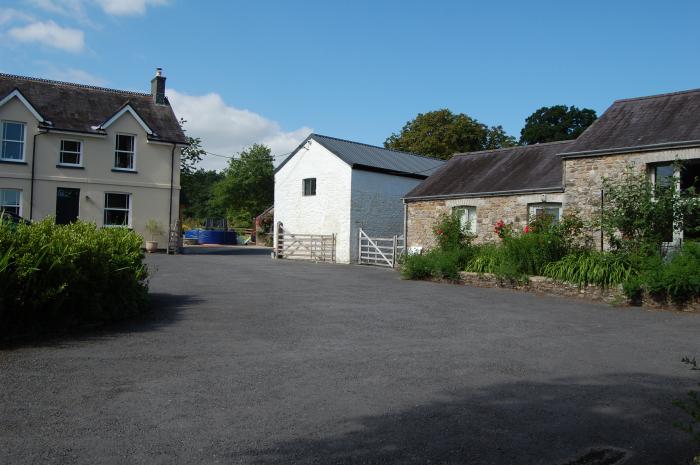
column 53, row 277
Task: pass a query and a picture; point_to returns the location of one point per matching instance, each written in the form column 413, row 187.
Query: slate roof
column 644, row 123
column 528, row 168
column 77, row 107
column 372, row 158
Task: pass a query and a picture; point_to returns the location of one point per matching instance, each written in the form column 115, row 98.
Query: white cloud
column 74, row 9
column 227, row 130
column 9, row 14
column 128, row 7
column 50, row 34
column 68, row 74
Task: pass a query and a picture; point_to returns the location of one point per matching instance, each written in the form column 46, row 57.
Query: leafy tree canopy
column 558, row 122
column 197, row 194
column 247, row 186
column 442, row 133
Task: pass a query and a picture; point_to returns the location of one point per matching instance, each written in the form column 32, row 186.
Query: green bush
column 600, row 268
column 677, row 279
column 54, row 277
column 449, row 233
column 437, row 263
column 691, row 407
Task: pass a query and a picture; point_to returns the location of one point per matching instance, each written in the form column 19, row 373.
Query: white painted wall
column 328, row 212
column 345, row 199
column 376, row 205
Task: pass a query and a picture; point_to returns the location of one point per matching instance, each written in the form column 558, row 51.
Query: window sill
column 123, row 170
column 13, row 162
column 70, row 167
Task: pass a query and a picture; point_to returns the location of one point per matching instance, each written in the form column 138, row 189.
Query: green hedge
column 55, row 277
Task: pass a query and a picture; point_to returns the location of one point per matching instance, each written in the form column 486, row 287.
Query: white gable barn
column 335, row 186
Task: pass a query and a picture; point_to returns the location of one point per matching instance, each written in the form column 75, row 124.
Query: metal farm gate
column 379, row 251
column 314, row 247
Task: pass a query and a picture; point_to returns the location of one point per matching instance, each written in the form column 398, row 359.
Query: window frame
column 303, row 187
column 473, row 229
column 128, row 210
column 116, row 151
column 3, row 140
column 19, row 200
column 79, row 152
column 532, row 209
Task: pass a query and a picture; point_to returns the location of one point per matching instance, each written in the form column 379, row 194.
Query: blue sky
column 242, row 71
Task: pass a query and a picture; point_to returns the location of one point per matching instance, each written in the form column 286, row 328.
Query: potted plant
column 154, row 228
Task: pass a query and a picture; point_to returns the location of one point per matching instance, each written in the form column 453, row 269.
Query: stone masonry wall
column 423, row 215
column 583, row 177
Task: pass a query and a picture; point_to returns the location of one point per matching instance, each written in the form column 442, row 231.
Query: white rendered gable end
column 119, row 114
column 16, row 93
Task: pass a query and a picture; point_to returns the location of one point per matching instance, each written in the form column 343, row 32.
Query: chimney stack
column 158, row 87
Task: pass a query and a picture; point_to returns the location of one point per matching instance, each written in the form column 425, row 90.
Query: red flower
column 526, row 229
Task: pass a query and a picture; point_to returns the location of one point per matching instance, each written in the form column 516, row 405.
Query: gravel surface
column 250, row 360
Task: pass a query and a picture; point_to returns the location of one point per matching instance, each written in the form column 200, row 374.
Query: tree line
column 246, row 186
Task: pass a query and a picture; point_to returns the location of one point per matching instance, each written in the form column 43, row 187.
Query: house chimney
column 158, row 87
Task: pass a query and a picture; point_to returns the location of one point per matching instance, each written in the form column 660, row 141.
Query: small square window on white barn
column 309, row 186
column 467, row 218
column 124, row 152
column 549, row 209
column 71, row 153
column 11, row 201
column 117, row 209
column 12, row 147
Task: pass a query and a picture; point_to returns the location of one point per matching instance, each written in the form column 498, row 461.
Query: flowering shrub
column 502, row 229
column 449, row 233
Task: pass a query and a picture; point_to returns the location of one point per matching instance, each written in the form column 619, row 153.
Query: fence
column 315, row 247
column 379, row 251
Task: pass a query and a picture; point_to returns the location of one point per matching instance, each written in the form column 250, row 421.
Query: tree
column 191, row 155
column 442, row 133
column 247, row 186
column 558, row 122
column 197, row 194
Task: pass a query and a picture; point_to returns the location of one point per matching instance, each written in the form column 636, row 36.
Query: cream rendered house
column 81, row 152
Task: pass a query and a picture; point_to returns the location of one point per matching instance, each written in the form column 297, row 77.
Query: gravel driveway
column 249, row 360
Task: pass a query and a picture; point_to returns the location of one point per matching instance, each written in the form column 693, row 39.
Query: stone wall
column 423, row 215
column 583, row 177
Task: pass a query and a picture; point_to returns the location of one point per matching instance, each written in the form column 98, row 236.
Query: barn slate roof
column 645, row 123
column 528, row 168
column 373, row 158
column 80, row 108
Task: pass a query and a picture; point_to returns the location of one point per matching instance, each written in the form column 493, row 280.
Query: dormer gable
column 18, row 95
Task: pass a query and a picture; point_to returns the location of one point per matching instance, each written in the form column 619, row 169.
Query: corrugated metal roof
column 529, row 168
column 370, row 157
column 654, row 121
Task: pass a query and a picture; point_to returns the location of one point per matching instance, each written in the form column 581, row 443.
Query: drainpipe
column 172, row 175
column 31, row 185
column 405, row 227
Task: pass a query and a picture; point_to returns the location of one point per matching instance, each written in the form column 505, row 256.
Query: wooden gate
column 315, row 247
column 379, row 251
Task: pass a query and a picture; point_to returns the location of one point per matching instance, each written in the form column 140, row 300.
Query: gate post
column 279, row 239
column 393, row 253
column 359, row 246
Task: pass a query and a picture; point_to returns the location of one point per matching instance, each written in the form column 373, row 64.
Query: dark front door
column 67, row 205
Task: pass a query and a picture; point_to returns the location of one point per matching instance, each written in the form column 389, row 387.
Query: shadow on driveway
column 567, row 421
column 226, row 250
column 165, row 310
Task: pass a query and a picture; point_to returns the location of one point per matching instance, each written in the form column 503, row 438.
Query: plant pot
column 151, row 246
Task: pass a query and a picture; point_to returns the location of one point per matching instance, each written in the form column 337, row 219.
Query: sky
column 271, row 72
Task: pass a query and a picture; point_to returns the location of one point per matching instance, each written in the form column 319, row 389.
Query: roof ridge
column 75, row 84
column 376, row 147
column 539, row 144
column 666, row 94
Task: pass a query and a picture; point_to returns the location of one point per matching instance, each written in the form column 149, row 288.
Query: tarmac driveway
column 249, row 360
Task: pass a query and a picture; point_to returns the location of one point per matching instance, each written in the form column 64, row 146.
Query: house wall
column 583, row 177
column 423, row 215
column 149, row 186
column 328, row 212
column 377, row 205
